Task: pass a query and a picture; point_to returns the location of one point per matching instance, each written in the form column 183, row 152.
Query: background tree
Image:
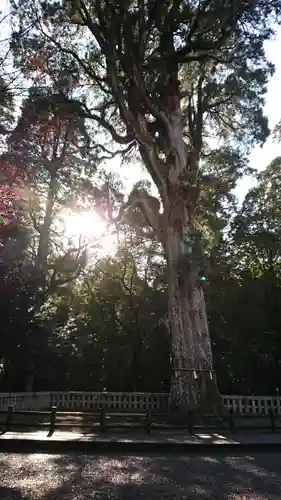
column 105, row 330
column 246, row 315
column 48, row 144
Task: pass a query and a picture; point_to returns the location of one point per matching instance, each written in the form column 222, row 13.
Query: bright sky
column 261, row 157
column 89, row 229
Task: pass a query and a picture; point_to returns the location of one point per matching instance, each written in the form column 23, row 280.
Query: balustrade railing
column 25, row 400
column 159, row 402
column 110, row 400
column 256, row 405
column 86, row 400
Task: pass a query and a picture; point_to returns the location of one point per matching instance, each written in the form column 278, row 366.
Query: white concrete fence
column 126, row 401
column 85, row 400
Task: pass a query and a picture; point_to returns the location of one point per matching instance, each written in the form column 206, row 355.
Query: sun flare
column 88, row 228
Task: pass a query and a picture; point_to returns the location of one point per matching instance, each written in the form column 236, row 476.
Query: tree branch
column 71, row 52
column 219, row 102
column 96, row 31
column 151, row 215
column 104, row 123
column 155, row 167
column 112, row 154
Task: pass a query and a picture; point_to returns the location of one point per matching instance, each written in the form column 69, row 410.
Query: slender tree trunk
column 41, row 258
column 44, row 239
column 29, row 383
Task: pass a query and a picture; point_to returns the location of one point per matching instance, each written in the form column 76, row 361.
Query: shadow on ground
column 10, row 494
column 73, row 477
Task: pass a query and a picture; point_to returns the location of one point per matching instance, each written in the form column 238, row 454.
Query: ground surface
column 140, row 436
column 84, row 477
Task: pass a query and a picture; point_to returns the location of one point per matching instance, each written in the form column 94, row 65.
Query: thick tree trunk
column 193, row 384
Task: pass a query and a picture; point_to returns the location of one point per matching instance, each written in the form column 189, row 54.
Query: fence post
column 102, row 420
column 246, row 405
column 9, row 417
column 232, row 421
column 148, row 422
column 272, row 420
column 52, row 419
column 190, row 421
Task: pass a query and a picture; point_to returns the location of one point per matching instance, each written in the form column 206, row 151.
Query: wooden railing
column 127, row 401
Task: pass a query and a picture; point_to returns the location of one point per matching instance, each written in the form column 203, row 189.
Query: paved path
column 173, row 436
column 143, row 477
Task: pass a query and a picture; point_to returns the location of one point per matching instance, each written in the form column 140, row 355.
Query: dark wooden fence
column 106, row 420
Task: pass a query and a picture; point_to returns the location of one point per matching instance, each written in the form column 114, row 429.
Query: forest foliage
column 76, row 318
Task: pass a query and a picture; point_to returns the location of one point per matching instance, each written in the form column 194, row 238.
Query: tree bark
column 44, row 238
column 193, row 384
